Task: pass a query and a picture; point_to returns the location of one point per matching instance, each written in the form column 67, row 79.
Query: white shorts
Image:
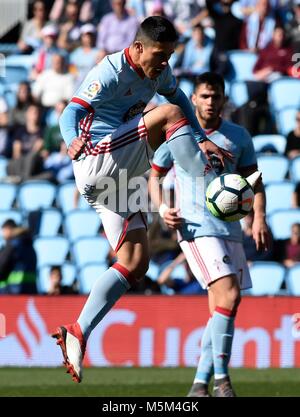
column 211, row 258
column 102, row 178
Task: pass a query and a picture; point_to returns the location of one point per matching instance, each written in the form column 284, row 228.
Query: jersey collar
column 139, row 71
column 210, row 131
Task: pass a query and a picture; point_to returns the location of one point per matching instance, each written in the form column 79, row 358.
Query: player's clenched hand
column 75, row 148
column 171, row 218
column 208, row 148
column 261, row 234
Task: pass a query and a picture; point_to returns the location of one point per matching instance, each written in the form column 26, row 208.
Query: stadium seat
column 153, row 270
column 286, row 120
column 3, row 165
column 242, row 64
column 26, row 61
column 273, row 167
column 295, row 169
column 179, row 272
column 51, row 250
column 65, row 198
column 284, row 92
column 8, row 194
column 279, row 195
column 34, row 195
column 48, row 222
column 91, row 249
column 281, row 222
column 88, row 275
column 267, row 278
column 69, row 274
column 238, row 93
column 15, row 215
column 292, row 280
column 81, row 223
column 263, row 141
column 15, row 74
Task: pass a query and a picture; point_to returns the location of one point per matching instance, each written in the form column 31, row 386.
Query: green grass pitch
column 140, row 382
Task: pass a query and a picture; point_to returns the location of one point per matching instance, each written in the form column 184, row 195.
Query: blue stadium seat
column 3, row 165
column 15, row 215
column 68, row 272
column 277, row 141
column 295, row 169
column 91, row 249
column 242, row 64
column 284, row 92
column 20, row 60
column 50, row 222
column 15, row 74
column 153, row 270
column 286, row 120
column 88, row 275
column 279, row 195
column 179, row 272
column 292, row 280
column 8, row 194
column 34, row 195
column 281, row 222
column 81, row 223
column 267, row 278
column 51, row 250
column 238, row 93
column 273, row 167
column 65, row 198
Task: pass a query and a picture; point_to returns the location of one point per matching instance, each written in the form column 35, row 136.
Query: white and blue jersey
column 190, row 193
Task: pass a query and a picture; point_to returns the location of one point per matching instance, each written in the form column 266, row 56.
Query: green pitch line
column 135, row 382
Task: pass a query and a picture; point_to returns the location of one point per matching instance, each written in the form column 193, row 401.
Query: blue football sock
column 105, row 292
column 187, row 153
column 222, row 330
column 205, row 366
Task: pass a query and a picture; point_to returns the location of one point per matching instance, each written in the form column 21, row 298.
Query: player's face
column 209, row 101
column 154, row 58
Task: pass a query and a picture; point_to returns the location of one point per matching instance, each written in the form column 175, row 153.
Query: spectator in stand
column 52, row 135
column 293, row 27
column 86, row 10
column 54, row 84
column 251, row 251
column 258, row 28
column 59, row 165
column 24, row 100
column 293, row 140
column 31, row 35
column 288, row 250
column 188, row 286
column 275, row 59
column 85, row 56
column 144, row 8
column 55, row 283
column 5, row 142
column 69, row 28
column 116, row 30
column 17, row 261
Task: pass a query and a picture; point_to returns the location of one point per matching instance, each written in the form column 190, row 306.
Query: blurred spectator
column 288, row 250
column 17, row 261
column 116, row 30
column 69, row 28
column 293, row 27
column 252, row 254
column 85, row 56
column 59, row 165
column 54, row 84
column 185, row 14
column 258, row 28
column 24, row 100
column 5, row 142
column 86, row 10
column 144, row 8
column 188, row 285
column 228, row 29
column 27, row 161
column 100, row 9
column 55, row 283
column 275, row 59
column 293, row 140
column 31, row 35
column 52, row 135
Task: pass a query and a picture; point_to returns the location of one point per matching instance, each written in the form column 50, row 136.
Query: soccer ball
column 230, row 197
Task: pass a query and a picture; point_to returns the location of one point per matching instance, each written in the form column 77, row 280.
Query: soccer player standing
column 107, row 132
column 213, row 248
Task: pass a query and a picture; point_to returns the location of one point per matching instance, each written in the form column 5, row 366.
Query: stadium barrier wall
column 150, row 331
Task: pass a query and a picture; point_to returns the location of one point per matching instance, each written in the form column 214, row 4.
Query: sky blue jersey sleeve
column 69, row 121
column 163, row 159
column 248, row 156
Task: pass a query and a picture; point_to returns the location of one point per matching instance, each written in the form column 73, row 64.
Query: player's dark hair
column 210, row 78
column 9, row 223
column 156, row 29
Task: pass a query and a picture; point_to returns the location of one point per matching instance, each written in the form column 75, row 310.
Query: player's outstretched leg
column 205, row 366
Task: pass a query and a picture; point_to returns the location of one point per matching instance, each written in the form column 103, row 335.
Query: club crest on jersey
column 92, row 90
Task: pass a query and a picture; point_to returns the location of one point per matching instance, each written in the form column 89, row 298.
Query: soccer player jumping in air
column 107, row 133
column 213, row 248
